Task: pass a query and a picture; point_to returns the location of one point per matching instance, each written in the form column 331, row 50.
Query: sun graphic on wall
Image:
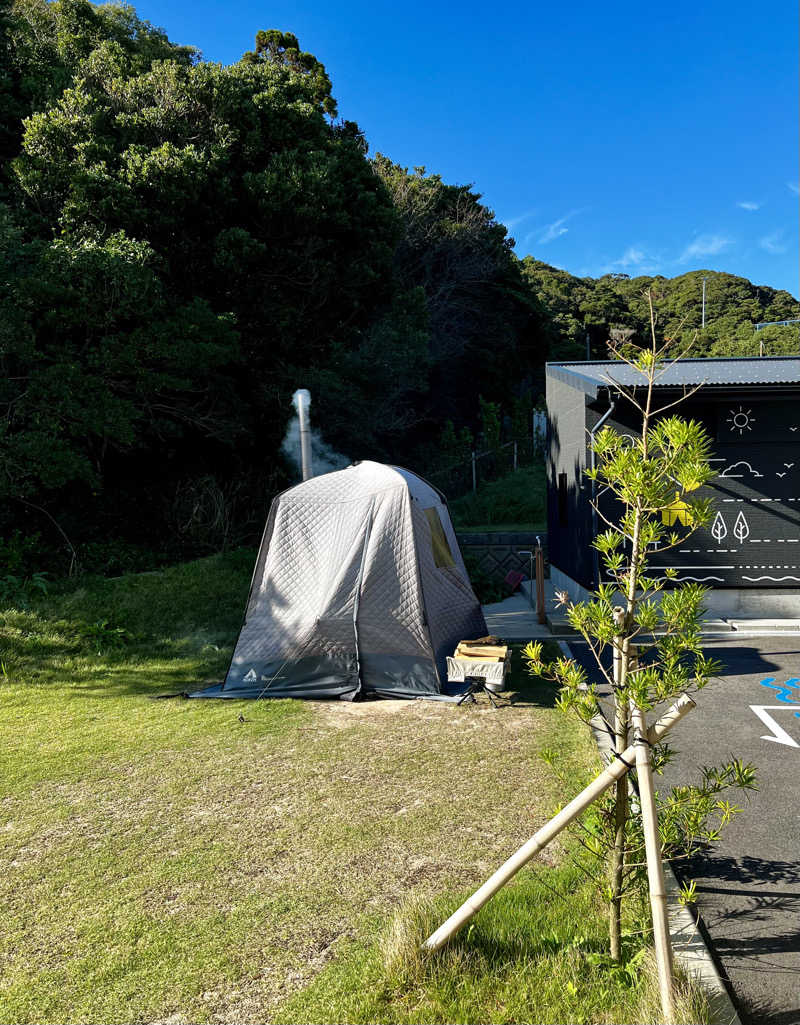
column 741, row 420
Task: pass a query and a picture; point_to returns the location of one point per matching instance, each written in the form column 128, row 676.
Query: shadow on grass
column 533, row 693
column 525, row 690
column 141, row 681
column 524, row 945
column 537, row 952
column 41, row 653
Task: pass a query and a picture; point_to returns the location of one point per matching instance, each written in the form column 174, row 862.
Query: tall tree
column 482, row 319
column 203, row 231
column 44, row 45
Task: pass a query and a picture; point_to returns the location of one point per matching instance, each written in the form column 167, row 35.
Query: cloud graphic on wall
column 740, row 469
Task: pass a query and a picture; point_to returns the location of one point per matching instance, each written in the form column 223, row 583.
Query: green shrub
column 20, row 553
column 16, row 591
column 517, row 499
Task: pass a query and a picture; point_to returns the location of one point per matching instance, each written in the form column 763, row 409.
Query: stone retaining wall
column 498, row 552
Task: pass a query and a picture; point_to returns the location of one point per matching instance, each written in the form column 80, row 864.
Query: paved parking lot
column 749, row 885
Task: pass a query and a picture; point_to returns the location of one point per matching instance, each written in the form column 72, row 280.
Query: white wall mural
column 740, row 469
column 773, row 580
column 718, row 528
column 741, row 529
column 754, row 526
column 741, row 420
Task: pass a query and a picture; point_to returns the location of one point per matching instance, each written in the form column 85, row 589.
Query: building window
column 442, row 555
column 562, row 500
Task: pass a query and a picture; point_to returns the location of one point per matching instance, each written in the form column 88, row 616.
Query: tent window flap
column 442, row 555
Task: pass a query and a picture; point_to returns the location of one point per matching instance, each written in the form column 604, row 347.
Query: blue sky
column 608, row 137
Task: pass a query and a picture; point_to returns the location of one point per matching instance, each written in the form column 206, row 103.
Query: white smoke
column 323, row 457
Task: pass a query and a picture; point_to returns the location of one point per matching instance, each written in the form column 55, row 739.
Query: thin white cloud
column 705, row 245
column 633, row 259
column 553, row 231
column 556, row 229
column 747, row 204
column 793, row 187
column 773, row 243
column 513, row 222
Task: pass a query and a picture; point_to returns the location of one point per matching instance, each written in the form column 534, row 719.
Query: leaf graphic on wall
column 718, row 528
column 740, row 528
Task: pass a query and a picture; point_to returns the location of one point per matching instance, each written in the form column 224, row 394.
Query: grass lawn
column 164, row 861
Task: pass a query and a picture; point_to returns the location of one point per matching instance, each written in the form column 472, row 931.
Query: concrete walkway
column 515, row 618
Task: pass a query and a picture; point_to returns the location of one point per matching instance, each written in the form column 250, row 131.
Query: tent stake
column 618, row 767
column 655, row 868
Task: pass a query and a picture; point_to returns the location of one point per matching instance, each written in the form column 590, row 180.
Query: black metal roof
column 592, row 375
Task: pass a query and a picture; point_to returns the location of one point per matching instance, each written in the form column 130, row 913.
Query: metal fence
column 466, row 474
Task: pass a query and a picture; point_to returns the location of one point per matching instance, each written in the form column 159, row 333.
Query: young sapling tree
column 652, row 633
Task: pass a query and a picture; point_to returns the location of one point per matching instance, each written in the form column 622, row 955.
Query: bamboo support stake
column 609, row 776
column 622, row 665
column 655, row 868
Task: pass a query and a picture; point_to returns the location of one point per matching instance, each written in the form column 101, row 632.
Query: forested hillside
column 577, row 307
column 185, row 243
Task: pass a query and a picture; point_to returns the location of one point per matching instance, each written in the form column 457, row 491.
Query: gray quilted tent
column 359, row 587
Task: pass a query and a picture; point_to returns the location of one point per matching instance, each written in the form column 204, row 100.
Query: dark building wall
column 753, row 539
column 569, row 521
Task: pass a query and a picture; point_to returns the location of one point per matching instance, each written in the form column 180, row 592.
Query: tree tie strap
column 616, row 754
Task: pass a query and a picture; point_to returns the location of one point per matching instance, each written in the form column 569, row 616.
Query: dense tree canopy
column 185, row 243
column 44, row 47
column 594, row 306
column 458, row 320
column 184, row 240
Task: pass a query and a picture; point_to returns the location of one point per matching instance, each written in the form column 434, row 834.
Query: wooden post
column 616, row 770
column 619, row 617
column 655, row 868
column 540, row 615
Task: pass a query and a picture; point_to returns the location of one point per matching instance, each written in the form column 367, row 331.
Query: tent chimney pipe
column 302, row 400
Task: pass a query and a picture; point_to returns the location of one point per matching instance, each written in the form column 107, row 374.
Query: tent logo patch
column 251, row 677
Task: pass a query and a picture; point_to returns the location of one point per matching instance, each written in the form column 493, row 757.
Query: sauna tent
column 359, row 589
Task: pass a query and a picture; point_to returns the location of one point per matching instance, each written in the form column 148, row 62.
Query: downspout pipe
column 592, row 463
